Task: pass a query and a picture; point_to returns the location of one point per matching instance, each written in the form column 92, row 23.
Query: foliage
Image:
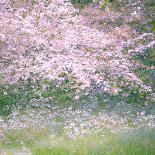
column 81, row 3
column 147, row 74
column 61, row 93
column 147, row 57
column 136, row 97
column 8, row 98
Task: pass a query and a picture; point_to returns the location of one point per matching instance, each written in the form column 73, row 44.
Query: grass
column 128, row 142
column 16, row 139
column 135, row 143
